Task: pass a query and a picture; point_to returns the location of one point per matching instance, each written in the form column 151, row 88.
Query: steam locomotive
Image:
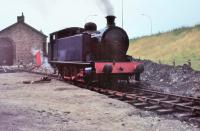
column 89, row 55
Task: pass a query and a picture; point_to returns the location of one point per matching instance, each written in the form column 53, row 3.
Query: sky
column 53, row 15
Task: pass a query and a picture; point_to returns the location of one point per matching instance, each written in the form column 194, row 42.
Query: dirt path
column 59, row 106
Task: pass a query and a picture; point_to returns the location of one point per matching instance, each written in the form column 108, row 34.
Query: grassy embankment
column 179, row 45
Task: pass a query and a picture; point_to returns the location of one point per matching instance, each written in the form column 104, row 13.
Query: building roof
column 20, row 19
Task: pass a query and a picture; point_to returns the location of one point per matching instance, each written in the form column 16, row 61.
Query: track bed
column 60, row 106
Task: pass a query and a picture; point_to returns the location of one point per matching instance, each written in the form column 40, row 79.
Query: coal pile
column 182, row 80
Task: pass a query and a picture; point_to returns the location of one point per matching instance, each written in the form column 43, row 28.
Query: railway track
column 184, row 108
column 152, row 100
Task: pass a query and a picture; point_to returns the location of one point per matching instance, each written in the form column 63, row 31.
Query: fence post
column 159, row 61
column 174, row 62
column 189, row 63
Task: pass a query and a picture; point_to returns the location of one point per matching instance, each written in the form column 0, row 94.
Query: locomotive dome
column 90, row 26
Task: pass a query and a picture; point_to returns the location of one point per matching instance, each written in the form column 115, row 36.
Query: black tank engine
column 80, row 53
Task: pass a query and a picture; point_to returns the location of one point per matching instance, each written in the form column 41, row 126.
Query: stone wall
column 24, row 39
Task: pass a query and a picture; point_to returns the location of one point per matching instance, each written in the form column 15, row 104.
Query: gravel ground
column 180, row 80
column 59, row 106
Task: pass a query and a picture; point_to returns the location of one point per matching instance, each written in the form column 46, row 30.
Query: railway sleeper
column 194, row 110
column 195, row 120
column 102, row 91
column 141, row 104
column 112, row 94
column 184, row 115
column 165, row 111
column 119, row 96
column 185, row 104
column 172, row 101
column 153, row 107
column 130, row 101
column 161, row 99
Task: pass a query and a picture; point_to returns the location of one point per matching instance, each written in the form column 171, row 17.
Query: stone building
column 17, row 41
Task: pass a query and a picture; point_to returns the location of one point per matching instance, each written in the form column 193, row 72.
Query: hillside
column 179, row 45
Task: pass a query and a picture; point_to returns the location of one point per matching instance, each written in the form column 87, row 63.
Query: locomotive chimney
column 110, row 20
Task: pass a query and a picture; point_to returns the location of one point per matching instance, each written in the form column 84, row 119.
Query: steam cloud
column 106, row 7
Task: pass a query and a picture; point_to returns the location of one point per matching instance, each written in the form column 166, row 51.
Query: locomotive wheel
column 137, row 76
column 104, row 81
column 101, row 81
column 114, row 83
column 109, row 82
column 66, row 71
column 88, row 80
column 60, row 72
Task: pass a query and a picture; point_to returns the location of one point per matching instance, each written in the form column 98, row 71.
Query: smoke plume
column 106, row 7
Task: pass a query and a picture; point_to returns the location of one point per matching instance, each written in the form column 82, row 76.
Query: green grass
column 180, row 45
